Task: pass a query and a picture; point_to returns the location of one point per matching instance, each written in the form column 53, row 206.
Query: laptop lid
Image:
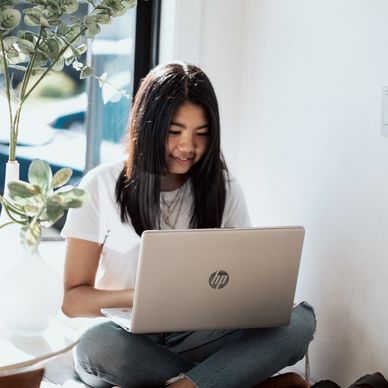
column 216, row 278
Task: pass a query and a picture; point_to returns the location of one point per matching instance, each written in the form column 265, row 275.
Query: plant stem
column 25, row 81
column 30, row 66
column 11, row 156
column 11, row 216
column 14, row 208
column 7, row 223
column 52, row 64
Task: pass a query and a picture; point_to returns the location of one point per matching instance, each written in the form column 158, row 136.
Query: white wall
column 299, row 88
column 310, row 110
column 208, row 33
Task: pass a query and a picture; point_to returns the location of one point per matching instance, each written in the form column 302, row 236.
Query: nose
column 186, row 143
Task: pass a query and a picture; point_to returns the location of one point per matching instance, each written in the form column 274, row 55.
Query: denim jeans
column 108, row 355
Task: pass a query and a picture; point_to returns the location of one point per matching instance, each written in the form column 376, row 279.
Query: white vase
column 11, row 174
column 30, row 295
column 9, row 235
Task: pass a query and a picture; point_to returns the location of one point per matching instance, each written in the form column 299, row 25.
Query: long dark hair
column 161, row 92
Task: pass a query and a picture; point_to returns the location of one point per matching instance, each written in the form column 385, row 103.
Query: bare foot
column 183, row 383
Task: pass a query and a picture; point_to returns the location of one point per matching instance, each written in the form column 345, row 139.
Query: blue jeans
column 108, row 355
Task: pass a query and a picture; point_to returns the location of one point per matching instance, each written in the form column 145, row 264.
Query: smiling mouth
column 183, row 160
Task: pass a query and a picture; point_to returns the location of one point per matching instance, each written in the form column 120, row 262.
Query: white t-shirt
column 99, row 221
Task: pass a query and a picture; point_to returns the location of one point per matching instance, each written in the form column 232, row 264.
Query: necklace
column 168, row 208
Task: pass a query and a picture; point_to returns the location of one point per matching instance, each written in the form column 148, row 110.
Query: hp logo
column 218, row 279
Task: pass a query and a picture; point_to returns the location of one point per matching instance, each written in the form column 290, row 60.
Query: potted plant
column 54, row 38
column 33, row 285
column 52, row 42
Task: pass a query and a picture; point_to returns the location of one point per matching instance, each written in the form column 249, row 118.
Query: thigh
column 116, row 357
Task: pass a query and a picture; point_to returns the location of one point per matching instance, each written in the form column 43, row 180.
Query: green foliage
column 41, row 201
column 56, row 34
column 55, row 45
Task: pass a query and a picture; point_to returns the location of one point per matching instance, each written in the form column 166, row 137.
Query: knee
column 304, row 320
column 98, row 346
column 302, row 328
column 94, row 345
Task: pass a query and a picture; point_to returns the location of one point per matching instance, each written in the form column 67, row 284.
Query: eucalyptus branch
column 8, row 90
column 30, row 66
column 23, row 51
column 52, row 64
column 25, row 81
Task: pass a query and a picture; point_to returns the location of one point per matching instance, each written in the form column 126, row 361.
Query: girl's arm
column 81, row 298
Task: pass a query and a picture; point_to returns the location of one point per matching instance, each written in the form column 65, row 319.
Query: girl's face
column 187, row 140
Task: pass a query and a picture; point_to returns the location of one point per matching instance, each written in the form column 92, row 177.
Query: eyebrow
column 183, row 126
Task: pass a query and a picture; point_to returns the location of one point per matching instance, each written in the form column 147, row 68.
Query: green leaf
column 71, row 198
column 72, row 33
column 75, row 51
column 68, row 53
column 82, row 49
column 50, row 47
column 58, row 65
column 20, row 190
column 54, row 211
column 70, row 6
column 92, row 27
column 30, row 236
column 61, row 177
column 30, row 210
column 87, row 71
column 61, row 29
column 32, row 16
column 76, row 20
column 27, row 35
column 115, row 6
column 39, row 174
column 26, row 46
column 9, row 46
column 103, row 17
column 9, row 19
column 4, row 4
column 53, row 7
column 40, row 59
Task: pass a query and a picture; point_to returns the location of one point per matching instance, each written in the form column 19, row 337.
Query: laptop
column 200, row 279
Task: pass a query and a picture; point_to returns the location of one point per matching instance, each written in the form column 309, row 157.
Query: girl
column 175, row 177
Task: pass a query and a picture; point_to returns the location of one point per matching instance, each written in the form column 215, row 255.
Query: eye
column 206, row 133
column 173, row 132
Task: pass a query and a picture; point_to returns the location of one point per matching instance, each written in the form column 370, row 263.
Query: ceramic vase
column 31, row 291
column 9, row 235
column 31, row 294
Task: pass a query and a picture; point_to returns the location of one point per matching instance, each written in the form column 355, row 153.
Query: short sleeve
column 90, row 222
column 236, row 212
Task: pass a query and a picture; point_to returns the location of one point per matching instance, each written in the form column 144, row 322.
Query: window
column 67, row 123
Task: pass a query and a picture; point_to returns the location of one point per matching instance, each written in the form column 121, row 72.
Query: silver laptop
column 213, row 279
